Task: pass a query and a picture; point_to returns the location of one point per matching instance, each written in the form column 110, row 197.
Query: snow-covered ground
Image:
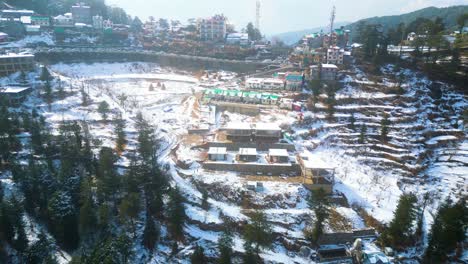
column 372, row 176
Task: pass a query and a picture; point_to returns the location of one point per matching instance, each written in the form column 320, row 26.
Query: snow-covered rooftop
column 312, row 161
column 15, row 55
column 239, row 126
column 326, row 65
column 217, row 151
column 248, row 151
column 13, row 89
column 278, row 152
column 267, row 126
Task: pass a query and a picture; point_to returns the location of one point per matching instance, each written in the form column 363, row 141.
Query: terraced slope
column 426, row 150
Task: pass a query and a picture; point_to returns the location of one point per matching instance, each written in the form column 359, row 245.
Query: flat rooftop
column 312, row 161
column 248, row 151
column 13, row 89
column 278, row 152
column 217, row 151
column 239, row 126
column 16, row 55
column 325, row 65
column 267, row 126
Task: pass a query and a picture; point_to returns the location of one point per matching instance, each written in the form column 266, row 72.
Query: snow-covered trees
column 225, row 245
column 198, row 256
column 318, row 201
column 176, row 214
column 448, row 231
column 103, row 109
column 385, row 123
column 257, row 233
column 400, row 230
column 120, row 133
column 151, row 232
column 362, row 134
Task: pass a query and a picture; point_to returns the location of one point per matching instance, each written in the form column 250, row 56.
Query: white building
column 238, row 39
column 212, row 29
column 64, row 20
column 264, row 83
column 98, row 22
column 217, row 154
column 335, row 55
column 328, row 73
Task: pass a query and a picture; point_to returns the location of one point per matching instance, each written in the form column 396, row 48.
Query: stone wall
column 264, row 169
column 260, row 146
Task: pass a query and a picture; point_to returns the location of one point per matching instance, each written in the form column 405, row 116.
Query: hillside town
column 130, row 140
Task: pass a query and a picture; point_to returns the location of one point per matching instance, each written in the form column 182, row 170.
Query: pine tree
column 198, row 256
column 225, row 245
column 41, row 251
column 250, row 256
column 129, row 209
column 87, row 219
column 205, row 205
column 400, row 229
column 176, row 214
column 111, row 250
column 121, row 138
column 258, row 232
column 103, row 109
column 84, row 97
column 385, row 127
column 7, row 230
column 318, row 202
column 448, row 231
column 45, row 75
column 108, row 181
column 151, row 87
column 151, row 233
column 156, row 185
column 20, row 242
column 352, row 121
column 48, row 93
column 362, row 135
column 63, row 219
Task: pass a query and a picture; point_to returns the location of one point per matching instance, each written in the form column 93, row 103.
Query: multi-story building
column 264, row 83
column 12, row 62
column 43, row 21
column 294, row 81
column 328, row 72
column 335, row 55
column 212, row 29
column 81, row 13
column 12, row 13
column 98, row 22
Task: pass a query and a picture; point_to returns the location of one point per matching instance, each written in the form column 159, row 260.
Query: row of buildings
column 259, row 149
column 288, row 81
column 293, row 81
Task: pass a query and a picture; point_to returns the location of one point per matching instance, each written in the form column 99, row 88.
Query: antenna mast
column 257, row 14
column 332, row 19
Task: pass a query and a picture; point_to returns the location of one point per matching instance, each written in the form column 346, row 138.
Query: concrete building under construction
column 12, row 62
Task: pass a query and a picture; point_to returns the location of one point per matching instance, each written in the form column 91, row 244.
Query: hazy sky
column 277, row 16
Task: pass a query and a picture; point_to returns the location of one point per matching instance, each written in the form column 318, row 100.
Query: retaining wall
column 260, row 146
column 265, row 169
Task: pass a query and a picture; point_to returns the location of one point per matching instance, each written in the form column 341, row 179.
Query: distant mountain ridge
column 291, row 38
column 448, row 14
